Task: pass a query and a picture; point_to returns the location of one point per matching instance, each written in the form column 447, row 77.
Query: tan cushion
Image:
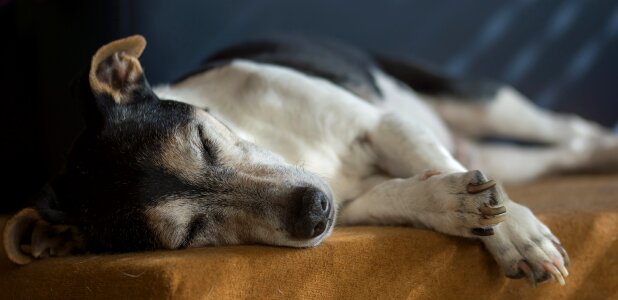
column 356, row 262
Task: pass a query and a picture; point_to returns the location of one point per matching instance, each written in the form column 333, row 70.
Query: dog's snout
column 312, row 218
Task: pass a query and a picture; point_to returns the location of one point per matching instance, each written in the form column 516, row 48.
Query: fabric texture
column 355, row 263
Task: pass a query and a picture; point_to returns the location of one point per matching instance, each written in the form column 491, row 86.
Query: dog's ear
column 27, row 236
column 115, row 70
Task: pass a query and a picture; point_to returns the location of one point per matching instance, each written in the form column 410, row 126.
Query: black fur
column 105, row 187
column 348, row 67
column 339, row 63
column 425, row 81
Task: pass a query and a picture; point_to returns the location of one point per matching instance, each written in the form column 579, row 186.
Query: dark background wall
column 562, row 54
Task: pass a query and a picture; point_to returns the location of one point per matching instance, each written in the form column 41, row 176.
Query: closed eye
column 208, row 148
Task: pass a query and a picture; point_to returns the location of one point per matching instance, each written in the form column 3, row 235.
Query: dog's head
column 150, row 173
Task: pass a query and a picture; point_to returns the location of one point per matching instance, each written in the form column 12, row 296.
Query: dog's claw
column 518, row 275
column 477, row 188
column 561, row 268
column 549, row 267
column 565, row 255
column 523, row 266
column 492, row 215
column 483, row 231
column 493, row 219
column 492, row 211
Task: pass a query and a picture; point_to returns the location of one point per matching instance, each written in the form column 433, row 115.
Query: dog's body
column 385, row 138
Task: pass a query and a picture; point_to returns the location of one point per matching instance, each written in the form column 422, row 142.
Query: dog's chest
column 310, row 122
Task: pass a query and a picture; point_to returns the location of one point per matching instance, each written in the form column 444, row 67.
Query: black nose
column 312, row 217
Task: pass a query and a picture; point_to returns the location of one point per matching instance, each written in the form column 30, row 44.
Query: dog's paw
column 473, row 204
column 525, row 248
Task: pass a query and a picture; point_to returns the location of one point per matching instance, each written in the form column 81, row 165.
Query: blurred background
column 561, row 54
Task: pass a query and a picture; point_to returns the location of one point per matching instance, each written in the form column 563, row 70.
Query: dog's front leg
column 447, row 198
column 462, row 204
column 468, row 205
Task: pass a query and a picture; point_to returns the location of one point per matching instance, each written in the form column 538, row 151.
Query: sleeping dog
column 274, row 141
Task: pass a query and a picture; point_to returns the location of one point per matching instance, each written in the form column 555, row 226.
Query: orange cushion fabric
column 355, row 263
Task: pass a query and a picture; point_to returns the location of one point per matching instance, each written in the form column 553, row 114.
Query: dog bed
column 356, row 262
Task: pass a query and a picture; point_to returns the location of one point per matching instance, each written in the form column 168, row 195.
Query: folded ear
column 115, row 69
column 27, row 236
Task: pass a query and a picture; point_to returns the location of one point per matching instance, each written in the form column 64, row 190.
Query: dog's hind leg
column 509, row 114
column 447, row 198
column 515, row 163
column 571, row 143
column 478, row 108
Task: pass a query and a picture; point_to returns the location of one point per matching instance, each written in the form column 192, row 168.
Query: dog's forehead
column 131, row 144
column 162, row 149
column 164, row 144
column 143, row 127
